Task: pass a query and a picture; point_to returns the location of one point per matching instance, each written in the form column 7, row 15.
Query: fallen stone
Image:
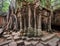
column 24, row 38
column 29, row 39
column 1, row 30
column 39, row 44
column 14, row 33
column 4, row 43
column 47, row 37
column 6, row 35
column 13, row 44
column 9, row 38
column 59, row 44
column 16, row 37
column 34, row 42
column 27, row 43
column 30, row 45
column 51, row 42
column 18, row 33
column 20, row 43
column 36, row 38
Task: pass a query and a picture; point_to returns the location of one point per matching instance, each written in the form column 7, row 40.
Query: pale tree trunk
column 29, row 19
column 29, row 14
column 12, row 3
column 24, row 24
column 49, row 26
column 39, row 19
column 20, row 22
column 39, row 25
column 35, row 21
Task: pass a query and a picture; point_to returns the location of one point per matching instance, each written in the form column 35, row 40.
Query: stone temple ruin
column 25, row 25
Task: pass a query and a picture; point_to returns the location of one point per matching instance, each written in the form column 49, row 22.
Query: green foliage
column 55, row 4
column 43, row 3
column 29, row 1
column 5, row 6
column 46, row 3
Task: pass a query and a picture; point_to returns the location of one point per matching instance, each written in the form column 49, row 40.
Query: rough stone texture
column 9, row 38
column 16, row 37
column 27, row 43
column 47, row 37
column 53, row 41
column 13, row 44
column 39, row 44
column 5, row 45
column 34, row 42
column 7, row 35
column 6, row 42
column 14, row 33
column 21, row 43
column 4, row 33
column 59, row 44
column 1, row 30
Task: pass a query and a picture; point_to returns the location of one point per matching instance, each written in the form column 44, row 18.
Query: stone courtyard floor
column 31, row 42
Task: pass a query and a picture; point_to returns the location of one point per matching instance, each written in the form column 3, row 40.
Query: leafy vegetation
column 5, row 5
column 44, row 3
